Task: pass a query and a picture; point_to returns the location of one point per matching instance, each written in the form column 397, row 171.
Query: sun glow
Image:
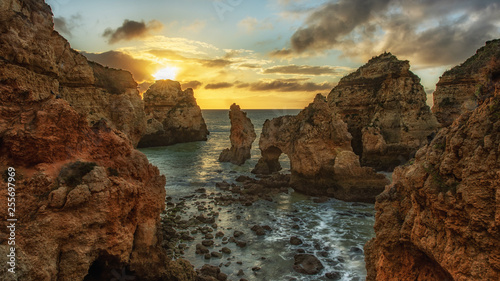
column 166, row 73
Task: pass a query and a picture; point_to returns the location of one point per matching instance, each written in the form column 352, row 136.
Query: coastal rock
column 242, row 137
column 172, row 115
column 44, row 66
column 307, row 264
column 384, row 106
column 458, row 89
column 88, row 204
column 439, row 219
column 321, row 158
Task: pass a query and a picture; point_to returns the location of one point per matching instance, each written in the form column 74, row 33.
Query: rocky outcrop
column 242, row 137
column 384, row 106
column 112, row 95
column 440, row 218
column 87, row 204
column 321, row 157
column 458, row 90
column 58, row 70
column 172, row 115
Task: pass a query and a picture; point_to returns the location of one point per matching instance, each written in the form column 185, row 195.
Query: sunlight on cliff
column 169, row 72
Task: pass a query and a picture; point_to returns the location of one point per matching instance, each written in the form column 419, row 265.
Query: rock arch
column 321, row 158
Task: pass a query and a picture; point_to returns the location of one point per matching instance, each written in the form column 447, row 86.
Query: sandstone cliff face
column 242, row 137
column 459, row 88
column 92, row 90
column 87, row 203
column 321, row 157
column 440, row 218
column 384, row 106
column 172, row 115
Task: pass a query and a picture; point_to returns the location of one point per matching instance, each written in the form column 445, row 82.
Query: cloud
column 194, row 27
column 304, row 70
column 283, row 53
column 426, row 32
column 140, row 69
column 191, row 84
column 218, row 63
column 249, row 24
column 221, row 85
column 290, row 85
column 65, row 25
column 131, row 29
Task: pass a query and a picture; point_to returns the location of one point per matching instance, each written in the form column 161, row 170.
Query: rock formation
column 384, row 106
column 172, row 115
column 458, row 89
column 242, row 137
column 440, row 218
column 91, row 89
column 321, row 157
column 87, row 203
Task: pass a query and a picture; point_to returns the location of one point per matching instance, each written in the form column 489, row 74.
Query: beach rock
column 242, row 136
column 384, row 106
column 307, row 264
column 173, row 115
column 70, row 228
column 295, row 240
column 321, row 157
column 439, row 219
column 458, row 90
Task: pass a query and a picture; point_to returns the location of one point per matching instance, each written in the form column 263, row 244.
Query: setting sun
column 166, row 73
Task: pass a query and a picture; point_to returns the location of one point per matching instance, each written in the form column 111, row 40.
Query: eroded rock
column 242, row 137
column 384, row 106
column 439, row 218
column 458, row 90
column 321, row 158
column 173, row 115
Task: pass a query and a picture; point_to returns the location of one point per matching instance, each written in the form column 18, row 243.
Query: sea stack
column 384, row 106
column 242, row 137
column 87, row 203
column 321, row 158
column 173, row 116
column 440, row 218
column 458, row 90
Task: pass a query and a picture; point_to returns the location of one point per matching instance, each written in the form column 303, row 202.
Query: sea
column 334, row 231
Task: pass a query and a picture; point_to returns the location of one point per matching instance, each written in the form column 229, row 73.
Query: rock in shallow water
column 307, row 264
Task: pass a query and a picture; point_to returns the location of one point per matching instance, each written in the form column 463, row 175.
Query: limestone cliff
column 242, row 136
column 440, row 218
column 321, row 158
column 458, row 89
column 172, row 115
column 91, row 89
column 384, row 106
column 87, row 204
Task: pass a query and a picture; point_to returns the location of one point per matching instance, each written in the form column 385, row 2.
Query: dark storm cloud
column 429, row 32
column 131, row 29
column 140, row 69
column 221, row 85
column 191, row 84
column 301, row 70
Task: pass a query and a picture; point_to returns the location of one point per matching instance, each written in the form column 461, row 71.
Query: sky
column 272, row 54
